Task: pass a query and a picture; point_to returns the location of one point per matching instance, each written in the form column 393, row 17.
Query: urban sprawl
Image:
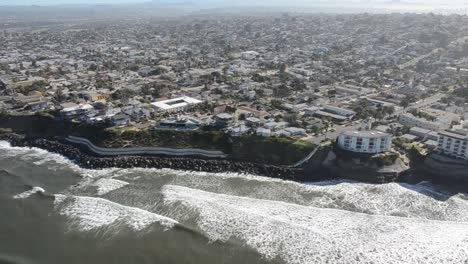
column 373, row 84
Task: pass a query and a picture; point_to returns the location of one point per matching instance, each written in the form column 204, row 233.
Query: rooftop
column 365, row 133
column 176, row 102
column 458, row 134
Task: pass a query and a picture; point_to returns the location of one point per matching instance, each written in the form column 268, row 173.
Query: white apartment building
column 176, row 104
column 369, row 141
column 454, row 143
column 409, row 120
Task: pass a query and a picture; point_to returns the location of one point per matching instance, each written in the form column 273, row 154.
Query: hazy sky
column 236, row 2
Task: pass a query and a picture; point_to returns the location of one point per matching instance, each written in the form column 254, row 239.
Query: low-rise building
column 263, row 132
column 120, row 119
column 238, row 130
column 424, row 133
column 223, row 119
column 291, row 132
column 349, row 89
column 339, row 111
column 310, row 111
column 72, row 111
column 409, row 120
column 274, row 126
column 179, row 123
column 176, row 104
column 368, row 141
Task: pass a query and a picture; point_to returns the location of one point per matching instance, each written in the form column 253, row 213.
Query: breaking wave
column 305, row 234
column 90, row 213
column 28, row 193
column 41, row 157
column 324, row 222
column 105, row 185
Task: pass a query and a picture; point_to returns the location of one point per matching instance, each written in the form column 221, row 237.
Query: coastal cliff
column 85, row 159
column 381, row 168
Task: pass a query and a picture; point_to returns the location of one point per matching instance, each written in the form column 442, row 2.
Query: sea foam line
column 90, row 213
column 304, row 234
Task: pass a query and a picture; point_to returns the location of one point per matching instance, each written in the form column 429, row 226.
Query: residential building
column 369, row 141
column 274, row 126
column 238, row 130
column 179, row 123
column 310, row 111
column 71, row 110
column 263, row 132
column 424, row 133
column 336, row 113
column 454, row 143
column 120, row 119
column 223, row 119
column 291, row 132
column 409, row 120
column 352, row 90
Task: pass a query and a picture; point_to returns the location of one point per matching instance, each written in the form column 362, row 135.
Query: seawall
column 144, row 151
column 88, row 161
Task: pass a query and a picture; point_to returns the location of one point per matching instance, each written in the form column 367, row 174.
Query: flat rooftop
column 458, row 134
column 176, row 102
column 365, row 133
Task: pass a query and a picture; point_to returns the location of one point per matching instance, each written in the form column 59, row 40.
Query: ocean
column 53, row 211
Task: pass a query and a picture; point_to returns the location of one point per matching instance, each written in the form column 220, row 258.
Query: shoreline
column 85, row 159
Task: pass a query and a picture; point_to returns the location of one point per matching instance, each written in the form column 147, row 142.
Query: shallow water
column 55, row 212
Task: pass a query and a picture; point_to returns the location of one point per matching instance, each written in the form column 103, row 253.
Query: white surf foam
column 90, row 213
column 105, row 185
column 415, row 201
column 26, row 194
column 418, row 201
column 53, row 161
column 304, row 234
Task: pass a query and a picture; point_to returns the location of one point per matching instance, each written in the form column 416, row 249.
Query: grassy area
column 168, row 138
column 283, row 151
column 249, row 148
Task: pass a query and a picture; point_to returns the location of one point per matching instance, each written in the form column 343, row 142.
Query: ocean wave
column 305, row 234
column 53, row 161
column 28, row 193
column 415, row 201
column 90, row 213
column 422, row 200
column 105, row 186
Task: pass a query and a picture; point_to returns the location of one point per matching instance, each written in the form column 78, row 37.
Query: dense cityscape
column 307, row 77
column 246, row 137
